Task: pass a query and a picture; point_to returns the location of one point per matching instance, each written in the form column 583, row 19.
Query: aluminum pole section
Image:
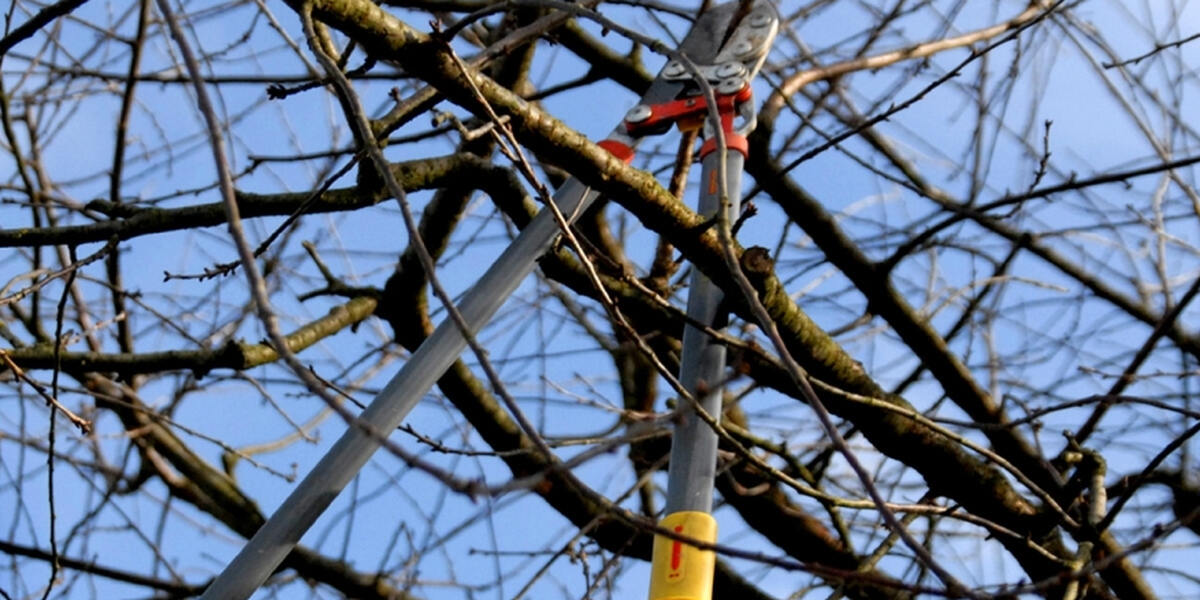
column 692, row 470
column 275, row 540
column 680, row 571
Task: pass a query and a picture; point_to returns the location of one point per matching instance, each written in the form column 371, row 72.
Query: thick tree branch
column 235, row 355
column 176, row 589
column 127, row 222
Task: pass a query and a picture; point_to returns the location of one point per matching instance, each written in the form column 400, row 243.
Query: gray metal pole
column 691, row 474
column 272, row 543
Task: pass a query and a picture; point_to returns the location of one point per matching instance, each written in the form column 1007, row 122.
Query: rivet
column 760, row 19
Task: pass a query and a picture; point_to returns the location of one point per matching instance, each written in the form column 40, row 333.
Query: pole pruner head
column 725, row 49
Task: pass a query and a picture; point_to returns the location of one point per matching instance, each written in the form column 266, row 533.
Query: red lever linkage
column 689, row 113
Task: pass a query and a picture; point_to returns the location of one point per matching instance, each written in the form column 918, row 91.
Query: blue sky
column 1088, row 136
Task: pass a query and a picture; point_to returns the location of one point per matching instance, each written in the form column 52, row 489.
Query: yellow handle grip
column 679, row 571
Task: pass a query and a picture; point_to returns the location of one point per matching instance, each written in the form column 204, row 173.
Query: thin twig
column 796, row 82
column 1157, row 48
column 36, row 22
column 65, row 271
column 84, row 425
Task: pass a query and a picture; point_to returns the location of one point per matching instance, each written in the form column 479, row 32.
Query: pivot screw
column 638, row 114
column 732, row 85
column 730, row 69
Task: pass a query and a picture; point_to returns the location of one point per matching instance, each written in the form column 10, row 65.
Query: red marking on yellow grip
column 679, row 570
column 676, row 550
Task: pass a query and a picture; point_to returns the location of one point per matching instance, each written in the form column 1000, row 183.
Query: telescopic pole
column 680, row 571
